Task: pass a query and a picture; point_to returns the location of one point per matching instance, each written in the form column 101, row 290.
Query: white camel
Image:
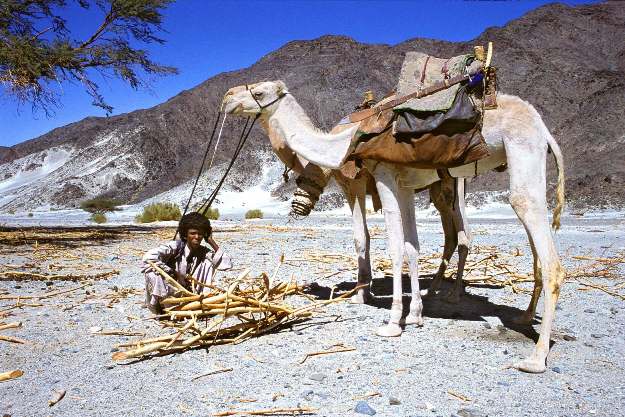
column 446, row 194
column 514, row 133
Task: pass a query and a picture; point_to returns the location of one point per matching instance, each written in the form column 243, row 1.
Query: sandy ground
column 454, row 365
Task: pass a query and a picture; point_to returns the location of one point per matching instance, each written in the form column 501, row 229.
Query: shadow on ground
column 470, row 308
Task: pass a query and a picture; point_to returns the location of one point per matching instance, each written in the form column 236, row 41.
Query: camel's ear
column 281, row 87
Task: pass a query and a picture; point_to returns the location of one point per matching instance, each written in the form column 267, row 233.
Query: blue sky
column 208, row 37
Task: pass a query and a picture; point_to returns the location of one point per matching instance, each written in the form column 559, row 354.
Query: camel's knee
column 555, row 280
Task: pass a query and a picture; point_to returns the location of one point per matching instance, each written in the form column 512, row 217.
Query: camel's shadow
column 470, row 307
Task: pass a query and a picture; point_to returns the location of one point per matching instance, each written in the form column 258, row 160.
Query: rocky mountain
column 569, row 62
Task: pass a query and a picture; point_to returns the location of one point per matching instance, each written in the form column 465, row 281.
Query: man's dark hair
column 194, row 220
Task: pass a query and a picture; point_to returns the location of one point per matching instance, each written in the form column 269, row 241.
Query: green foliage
column 254, row 214
column 159, row 212
column 98, row 218
column 99, row 205
column 37, row 50
column 11, row 212
column 30, row 215
column 212, row 214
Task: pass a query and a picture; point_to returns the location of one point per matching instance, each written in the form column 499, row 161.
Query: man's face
column 194, row 238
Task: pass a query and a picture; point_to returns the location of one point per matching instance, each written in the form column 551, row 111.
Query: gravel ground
column 454, row 365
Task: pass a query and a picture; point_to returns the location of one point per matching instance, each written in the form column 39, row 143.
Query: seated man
column 182, row 258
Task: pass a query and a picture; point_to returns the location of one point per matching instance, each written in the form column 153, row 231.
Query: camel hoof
column 413, row 319
column 530, row 365
column 389, row 330
column 360, row 298
column 523, row 319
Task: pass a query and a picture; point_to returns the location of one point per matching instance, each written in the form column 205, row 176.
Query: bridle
column 260, row 106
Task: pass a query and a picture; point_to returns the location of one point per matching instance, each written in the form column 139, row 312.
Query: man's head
column 193, row 227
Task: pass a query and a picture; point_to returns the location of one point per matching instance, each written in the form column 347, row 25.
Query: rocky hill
column 569, row 62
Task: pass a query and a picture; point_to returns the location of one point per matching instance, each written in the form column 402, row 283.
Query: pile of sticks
column 246, row 308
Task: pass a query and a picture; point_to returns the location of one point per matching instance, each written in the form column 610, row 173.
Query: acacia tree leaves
column 37, row 50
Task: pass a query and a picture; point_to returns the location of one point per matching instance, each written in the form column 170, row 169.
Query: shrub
column 98, row 218
column 99, row 205
column 11, row 212
column 254, row 214
column 212, row 214
column 159, row 212
column 30, row 215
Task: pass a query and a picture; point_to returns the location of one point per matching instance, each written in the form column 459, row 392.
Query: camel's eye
column 258, row 94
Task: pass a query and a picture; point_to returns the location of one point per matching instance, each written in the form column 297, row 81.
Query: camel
column 515, row 135
column 447, row 195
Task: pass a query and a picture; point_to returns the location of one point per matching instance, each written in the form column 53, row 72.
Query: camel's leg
column 389, row 195
column 411, row 249
column 461, row 227
column 444, row 206
column 356, row 193
column 528, row 315
column 527, row 196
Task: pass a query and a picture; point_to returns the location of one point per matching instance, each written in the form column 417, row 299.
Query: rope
column 244, row 135
column 197, row 178
column 217, row 144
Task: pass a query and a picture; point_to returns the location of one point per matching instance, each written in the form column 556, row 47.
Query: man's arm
column 220, row 260
column 159, row 256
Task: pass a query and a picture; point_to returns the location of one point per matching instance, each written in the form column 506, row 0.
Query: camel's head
column 254, row 98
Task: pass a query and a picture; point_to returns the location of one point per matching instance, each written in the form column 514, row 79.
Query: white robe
column 172, row 254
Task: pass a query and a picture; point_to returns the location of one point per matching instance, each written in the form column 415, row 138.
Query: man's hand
column 212, row 243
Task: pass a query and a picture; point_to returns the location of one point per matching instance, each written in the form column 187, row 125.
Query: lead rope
column 197, row 178
column 244, row 135
column 218, row 138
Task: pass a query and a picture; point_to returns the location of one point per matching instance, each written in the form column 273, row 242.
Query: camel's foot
column 524, row 319
column 389, row 330
column 532, row 365
column 361, row 297
column 413, row 319
column 453, row 296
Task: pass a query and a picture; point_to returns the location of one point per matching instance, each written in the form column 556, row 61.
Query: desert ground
column 78, row 293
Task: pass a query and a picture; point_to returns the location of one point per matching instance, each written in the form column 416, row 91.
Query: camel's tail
column 557, row 155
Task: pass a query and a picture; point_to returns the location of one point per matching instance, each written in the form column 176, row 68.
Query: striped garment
column 176, row 259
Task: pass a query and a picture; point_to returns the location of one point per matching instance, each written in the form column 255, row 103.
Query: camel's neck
column 290, row 122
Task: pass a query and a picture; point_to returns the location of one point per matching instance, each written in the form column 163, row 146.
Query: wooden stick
column 458, row 396
column 56, row 397
column 218, row 371
column 268, row 411
column 42, row 296
column 5, row 376
column 326, row 352
column 12, row 339
column 11, row 325
column 170, row 280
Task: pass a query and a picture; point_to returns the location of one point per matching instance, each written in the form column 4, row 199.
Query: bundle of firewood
column 246, row 308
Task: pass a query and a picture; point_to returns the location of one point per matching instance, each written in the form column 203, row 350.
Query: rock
column 363, row 408
column 613, row 310
column 470, row 412
column 307, row 394
column 317, row 377
column 503, row 383
column 487, row 325
column 95, row 329
column 589, row 310
column 556, row 370
column 569, row 337
column 393, row 401
column 597, row 335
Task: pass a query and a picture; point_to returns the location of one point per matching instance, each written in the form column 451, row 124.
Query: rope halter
column 260, row 106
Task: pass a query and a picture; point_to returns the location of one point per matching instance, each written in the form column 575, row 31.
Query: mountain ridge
column 564, row 60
